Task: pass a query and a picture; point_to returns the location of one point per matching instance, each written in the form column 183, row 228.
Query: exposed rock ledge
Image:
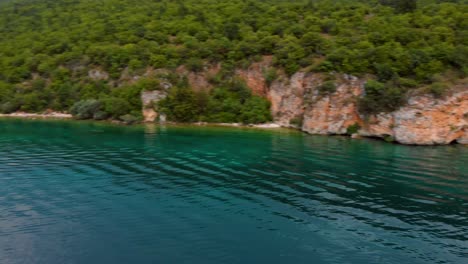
column 424, row 120
column 297, row 102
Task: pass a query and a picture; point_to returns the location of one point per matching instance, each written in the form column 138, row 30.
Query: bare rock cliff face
column 254, row 76
column 298, row 98
column 298, row 101
column 424, row 120
column 333, row 113
column 148, row 99
column 287, row 98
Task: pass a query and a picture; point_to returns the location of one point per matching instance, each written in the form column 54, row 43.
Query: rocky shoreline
column 272, row 125
column 48, row 115
column 61, row 115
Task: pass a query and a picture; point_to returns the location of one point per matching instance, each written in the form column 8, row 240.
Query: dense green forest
column 48, row 46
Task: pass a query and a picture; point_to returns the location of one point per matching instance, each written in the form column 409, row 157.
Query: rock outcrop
column 287, row 98
column 149, row 99
column 199, row 81
column 424, row 120
column 298, row 101
column 254, row 76
column 98, row 75
column 333, row 113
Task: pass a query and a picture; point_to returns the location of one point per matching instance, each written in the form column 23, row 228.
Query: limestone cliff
column 333, row 113
column 423, row 120
column 149, row 99
column 298, row 101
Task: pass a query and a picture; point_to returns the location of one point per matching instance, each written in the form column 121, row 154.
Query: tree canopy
column 48, row 46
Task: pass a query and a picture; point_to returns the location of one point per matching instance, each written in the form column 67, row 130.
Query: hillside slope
column 103, row 54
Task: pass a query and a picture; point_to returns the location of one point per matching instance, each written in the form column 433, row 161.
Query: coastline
column 270, row 125
column 267, row 126
column 66, row 116
column 48, row 115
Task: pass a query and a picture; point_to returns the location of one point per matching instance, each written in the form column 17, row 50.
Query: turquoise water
column 95, row 193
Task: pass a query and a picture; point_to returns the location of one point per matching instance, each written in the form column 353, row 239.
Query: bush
column 438, row 89
column 222, row 117
column 270, row 76
column 405, row 82
column 327, row 87
column 297, row 121
column 32, row 102
column 116, row 107
column 325, row 66
column 128, row 119
column 195, row 65
column 100, row 115
column 9, row 107
column 380, row 98
column 353, row 129
column 389, row 139
column 85, row 109
column 180, row 105
column 256, row 110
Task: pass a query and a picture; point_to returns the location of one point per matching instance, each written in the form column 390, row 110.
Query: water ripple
column 212, row 195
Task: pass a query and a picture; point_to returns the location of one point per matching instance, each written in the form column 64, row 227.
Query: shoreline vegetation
column 241, row 62
column 48, row 115
column 60, row 115
column 55, row 54
column 53, row 115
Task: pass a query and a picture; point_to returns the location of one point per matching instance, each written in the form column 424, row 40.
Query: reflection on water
column 149, row 194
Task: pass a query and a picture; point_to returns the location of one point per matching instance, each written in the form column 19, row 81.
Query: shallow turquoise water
column 95, row 193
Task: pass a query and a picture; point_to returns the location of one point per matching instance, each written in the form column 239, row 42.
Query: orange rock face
column 424, row 120
column 199, row 81
column 287, row 99
column 333, row 113
column 427, row 121
column 254, row 76
column 297, row 101
column 149, row 99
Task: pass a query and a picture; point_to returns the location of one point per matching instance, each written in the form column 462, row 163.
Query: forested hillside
column 47, row 48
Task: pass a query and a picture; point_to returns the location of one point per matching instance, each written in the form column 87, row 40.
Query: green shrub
column 128, row 119
column 148, row 84
column 327, row 87
column 9, row 107
column 409, row 83
column 270, row 76
column 353, row 129
column 297, row 121
column 380, row 98
column 33, row 102
column 389, row 139
column 85, row 109
column 195, row 65
column 438, row 89
column 100, row 115
column 325, row 66
column 116, row 107
column 180, row 105
column 255, row 110
column 222, row 117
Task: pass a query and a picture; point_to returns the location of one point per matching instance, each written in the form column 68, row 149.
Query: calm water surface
column 95, row 193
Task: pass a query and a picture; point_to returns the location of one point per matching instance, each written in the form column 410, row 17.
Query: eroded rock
column 149, row 99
